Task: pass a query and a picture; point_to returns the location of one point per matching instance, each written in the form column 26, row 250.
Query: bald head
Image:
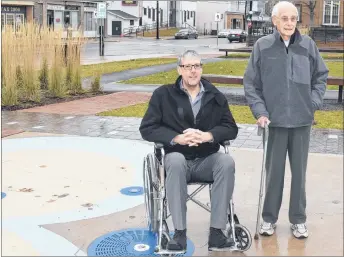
column 283, row 6
column 284, row 17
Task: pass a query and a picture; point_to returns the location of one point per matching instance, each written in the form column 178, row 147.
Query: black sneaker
column 178, row 243
column 218, row 241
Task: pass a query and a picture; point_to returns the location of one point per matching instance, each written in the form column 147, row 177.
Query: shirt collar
column 182, row 88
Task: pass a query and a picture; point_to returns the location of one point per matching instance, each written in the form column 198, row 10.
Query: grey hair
column 275, row 10
column 188, row 53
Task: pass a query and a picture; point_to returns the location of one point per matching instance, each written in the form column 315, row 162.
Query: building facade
column 206, row 11
column 327, row 13
column 77, row 16
column 15, row 13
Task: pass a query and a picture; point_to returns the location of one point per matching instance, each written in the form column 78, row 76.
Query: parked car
column 223, row 33
column 237, row 35
column 186, row 34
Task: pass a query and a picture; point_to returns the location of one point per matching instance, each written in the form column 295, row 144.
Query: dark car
column 186, row 34
column 237, row 35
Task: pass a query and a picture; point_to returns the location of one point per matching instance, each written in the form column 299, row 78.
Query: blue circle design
column 3, row 195
column 132, row 191
column 124, row 242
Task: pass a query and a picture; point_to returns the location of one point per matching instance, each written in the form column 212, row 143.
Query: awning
column 122, row 15
column 22, row 3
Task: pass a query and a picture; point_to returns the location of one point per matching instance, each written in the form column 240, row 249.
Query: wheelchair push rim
column 149, row 180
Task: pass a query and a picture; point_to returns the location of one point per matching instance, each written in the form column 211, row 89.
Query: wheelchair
column 156, row 205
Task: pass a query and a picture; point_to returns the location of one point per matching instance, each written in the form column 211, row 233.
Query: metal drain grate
column 128, row 242
column 132, row 191
column 3, row 195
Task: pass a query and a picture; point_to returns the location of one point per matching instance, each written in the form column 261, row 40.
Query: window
column 10, row 19
column 145, row 11
column 184, row 16
column 299, row 10
column 188, row 15
column 89, row 22
column 19, row 20
column 149, row 13
column 191, row 14
column 331, row 12
column 131, row 22
column 67, row 20
column 2, row 20
column 153, row 18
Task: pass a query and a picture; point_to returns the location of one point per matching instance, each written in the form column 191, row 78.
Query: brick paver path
column 94, row 105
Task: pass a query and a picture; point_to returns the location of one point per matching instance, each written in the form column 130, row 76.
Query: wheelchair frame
column 156, row 204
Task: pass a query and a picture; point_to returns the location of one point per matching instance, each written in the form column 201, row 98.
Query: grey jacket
column 284, row 84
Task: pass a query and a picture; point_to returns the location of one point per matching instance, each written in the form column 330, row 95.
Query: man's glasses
column 292, row 19
column 189, row 66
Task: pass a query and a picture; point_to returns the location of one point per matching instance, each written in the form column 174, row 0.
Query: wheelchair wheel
column 150, row 181
column 243, row 237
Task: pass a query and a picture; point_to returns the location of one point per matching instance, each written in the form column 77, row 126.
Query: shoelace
column 301, row 227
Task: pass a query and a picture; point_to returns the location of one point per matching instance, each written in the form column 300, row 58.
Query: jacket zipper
column 292, row 76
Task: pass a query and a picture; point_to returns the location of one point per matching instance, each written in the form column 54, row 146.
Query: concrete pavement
column 64, row 192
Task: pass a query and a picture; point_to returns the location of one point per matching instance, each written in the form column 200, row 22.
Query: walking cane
column 265, row 132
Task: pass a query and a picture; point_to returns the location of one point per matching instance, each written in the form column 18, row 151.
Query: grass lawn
column 227, row 67
column 103, row 68
column 247, row 55
column 242, row 115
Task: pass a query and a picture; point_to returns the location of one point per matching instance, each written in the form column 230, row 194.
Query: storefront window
column 89, row 22
column 10, row 19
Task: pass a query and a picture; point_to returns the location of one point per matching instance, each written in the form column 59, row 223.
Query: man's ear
column 179, row 70
column 274, row 21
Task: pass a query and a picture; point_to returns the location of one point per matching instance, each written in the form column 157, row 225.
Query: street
column 128, row 48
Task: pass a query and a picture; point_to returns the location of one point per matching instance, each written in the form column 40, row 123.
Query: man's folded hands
column 193, row 137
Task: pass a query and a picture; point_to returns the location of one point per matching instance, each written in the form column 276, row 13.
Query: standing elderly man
column 191, row 117
column 285, row 82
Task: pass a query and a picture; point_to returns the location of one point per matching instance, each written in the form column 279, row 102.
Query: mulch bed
column 46, row 99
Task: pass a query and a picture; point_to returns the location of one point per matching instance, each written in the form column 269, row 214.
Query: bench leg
column 340, row 94
column 226, row 53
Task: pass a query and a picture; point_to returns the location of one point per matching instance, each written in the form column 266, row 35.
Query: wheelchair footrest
column 168, row 252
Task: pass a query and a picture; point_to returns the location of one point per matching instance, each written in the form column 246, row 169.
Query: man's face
column 286, row 21
column 191, row 71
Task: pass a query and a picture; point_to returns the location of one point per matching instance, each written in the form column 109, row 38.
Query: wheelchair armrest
column 158, row 145
column 225, row 143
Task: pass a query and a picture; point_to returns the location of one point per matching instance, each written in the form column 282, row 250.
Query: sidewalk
column 78, row 118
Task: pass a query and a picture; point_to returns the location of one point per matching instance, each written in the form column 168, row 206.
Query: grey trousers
column 295, row 141
column 218, row 167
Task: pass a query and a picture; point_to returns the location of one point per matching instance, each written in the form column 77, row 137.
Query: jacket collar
column 294, row 39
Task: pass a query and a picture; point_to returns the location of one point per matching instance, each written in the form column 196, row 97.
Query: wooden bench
column 238, row 80
column 249, row 50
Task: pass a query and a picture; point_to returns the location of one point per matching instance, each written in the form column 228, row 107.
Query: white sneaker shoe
column 299, row 230
column 267, row 229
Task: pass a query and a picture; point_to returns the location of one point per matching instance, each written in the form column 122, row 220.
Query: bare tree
column 269, row 5
column 310, row 6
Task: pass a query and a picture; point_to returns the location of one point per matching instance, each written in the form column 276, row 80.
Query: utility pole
column 157, row 19
column 249, row 25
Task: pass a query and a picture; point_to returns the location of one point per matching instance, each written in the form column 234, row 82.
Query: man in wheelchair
column 191, row 118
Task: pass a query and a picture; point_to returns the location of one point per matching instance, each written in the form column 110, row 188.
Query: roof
column 123, row 15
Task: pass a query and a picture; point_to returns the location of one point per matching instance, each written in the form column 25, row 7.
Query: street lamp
column 157, row 19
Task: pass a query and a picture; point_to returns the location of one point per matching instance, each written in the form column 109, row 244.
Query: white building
column 206, row 11
column 121, row 15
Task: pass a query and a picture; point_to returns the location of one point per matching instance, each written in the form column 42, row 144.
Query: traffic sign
column 217, row 17
column 101, row 11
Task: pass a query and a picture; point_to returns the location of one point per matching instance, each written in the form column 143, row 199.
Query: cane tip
column 255, row 236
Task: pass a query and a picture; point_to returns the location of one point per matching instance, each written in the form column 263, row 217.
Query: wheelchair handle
column 159, row 145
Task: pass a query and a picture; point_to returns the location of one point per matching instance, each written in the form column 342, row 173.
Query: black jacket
column 170, row 113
